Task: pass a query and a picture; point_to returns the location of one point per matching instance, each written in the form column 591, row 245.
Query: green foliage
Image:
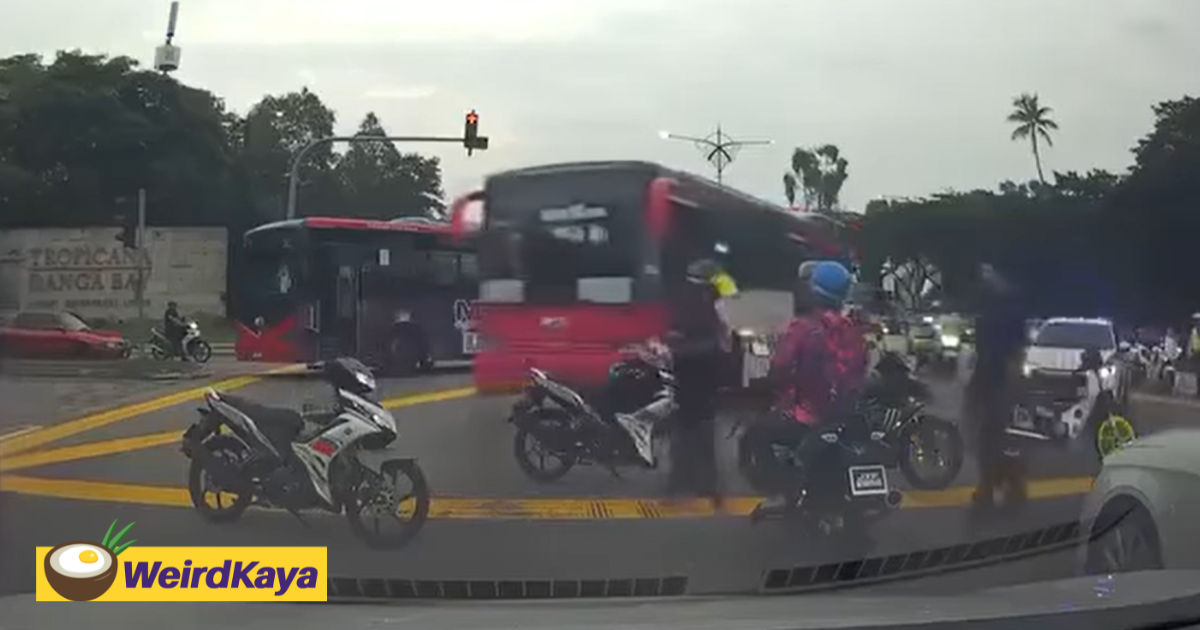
column 1094, row 242
column 817, row 175
column 79, row 136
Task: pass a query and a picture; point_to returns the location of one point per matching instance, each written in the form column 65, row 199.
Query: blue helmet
column 830, row 282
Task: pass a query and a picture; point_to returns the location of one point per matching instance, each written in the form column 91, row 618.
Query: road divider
column 544, row 509
column 24, row 459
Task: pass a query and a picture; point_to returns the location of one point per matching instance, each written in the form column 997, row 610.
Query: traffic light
column 128, row 234
column 471, row 138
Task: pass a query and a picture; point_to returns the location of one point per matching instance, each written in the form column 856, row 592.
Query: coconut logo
column 82, row 571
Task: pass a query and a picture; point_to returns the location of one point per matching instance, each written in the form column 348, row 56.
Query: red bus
column 397, row 295
column 575, row 260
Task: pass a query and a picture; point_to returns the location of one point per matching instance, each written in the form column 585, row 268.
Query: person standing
column 1000, row 340
column 700, row 341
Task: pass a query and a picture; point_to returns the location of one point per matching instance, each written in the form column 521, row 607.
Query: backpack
column 832, row 364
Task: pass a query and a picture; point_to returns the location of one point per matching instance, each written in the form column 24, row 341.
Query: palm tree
column 1033, row 121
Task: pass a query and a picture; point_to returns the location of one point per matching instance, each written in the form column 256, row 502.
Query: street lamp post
column 719, row 149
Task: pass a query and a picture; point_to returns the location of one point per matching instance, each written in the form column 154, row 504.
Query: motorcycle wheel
column 922, row 433
column 1112, row 433
column 158, row 352
column 527, row 443
column 413, row 512
column 231, row 450
column 199, row 351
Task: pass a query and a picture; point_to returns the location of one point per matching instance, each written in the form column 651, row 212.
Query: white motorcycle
column 1062, row 408
column 195, row 348
column 342, row 460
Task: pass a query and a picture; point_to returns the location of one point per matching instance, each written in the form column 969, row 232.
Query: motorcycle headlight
column 366, row 380
column 1028, row 369
column 193, row 326
column 950, row 341
column 1107, row 372
column 759, row 349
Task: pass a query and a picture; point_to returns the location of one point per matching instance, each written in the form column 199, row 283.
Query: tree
column 382, row 183
column 273, row 132
column 1033, row 122
column 85, row 130
column 818, row 174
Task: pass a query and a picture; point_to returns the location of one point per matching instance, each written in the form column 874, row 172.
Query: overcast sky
column 915, row 92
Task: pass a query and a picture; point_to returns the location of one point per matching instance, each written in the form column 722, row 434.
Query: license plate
column 868, row 480
column 471, row 343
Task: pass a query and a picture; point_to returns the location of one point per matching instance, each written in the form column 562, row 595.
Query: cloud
column 401, row 93
column 915, row 92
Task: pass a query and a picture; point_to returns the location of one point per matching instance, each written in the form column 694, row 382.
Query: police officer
column 1000, row 340
column 700, row 341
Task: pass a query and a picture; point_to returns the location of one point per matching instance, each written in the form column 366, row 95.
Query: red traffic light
column 472, row 118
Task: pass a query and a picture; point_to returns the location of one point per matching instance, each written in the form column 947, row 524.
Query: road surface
column 82, row 469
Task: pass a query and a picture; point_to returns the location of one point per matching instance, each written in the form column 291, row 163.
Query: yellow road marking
column 95, row 421
column 478, row 508
column 105, row 418
column 19, row 431
column 91, row 450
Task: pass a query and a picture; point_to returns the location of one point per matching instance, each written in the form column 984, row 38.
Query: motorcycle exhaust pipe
column 220, row 471
column 893, row 498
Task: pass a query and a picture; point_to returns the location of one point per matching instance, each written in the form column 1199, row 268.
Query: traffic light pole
column 294, row 172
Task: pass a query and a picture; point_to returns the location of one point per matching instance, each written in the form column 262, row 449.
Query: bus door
column 337, row 286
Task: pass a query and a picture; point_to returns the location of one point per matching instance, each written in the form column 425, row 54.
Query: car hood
column 1058, row 359
column 1173, row 449
column 1100, row 603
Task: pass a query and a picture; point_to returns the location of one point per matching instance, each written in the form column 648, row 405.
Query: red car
column 47, row 335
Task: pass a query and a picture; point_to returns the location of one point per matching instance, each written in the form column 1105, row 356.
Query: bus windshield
column 554, row 229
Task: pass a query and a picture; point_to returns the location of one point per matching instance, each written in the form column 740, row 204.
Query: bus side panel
column 577, row 343
column 278, row 342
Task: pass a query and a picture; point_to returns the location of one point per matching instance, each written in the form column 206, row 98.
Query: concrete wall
column 86, row 270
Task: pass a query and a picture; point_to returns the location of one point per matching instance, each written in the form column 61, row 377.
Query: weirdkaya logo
column 82, row 571
column 86, row 571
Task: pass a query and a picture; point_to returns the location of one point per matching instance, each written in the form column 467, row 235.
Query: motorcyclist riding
column 174, row 329
column 820, row 364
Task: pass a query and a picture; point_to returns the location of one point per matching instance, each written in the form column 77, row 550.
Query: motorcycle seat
column 280, row 421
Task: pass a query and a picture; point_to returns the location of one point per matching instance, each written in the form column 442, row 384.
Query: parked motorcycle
column 195, row 347
column 1073, row 408
column 555, row 421
column 844, row 485
column 340, row 460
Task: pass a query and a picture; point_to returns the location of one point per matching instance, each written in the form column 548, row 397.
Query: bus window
column 468, row 267
column 443, row 268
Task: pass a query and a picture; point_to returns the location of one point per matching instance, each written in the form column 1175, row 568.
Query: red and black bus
column 575, row 261
column 394, row 294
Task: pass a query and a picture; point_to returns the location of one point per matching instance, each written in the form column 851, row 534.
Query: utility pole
column 471, row 141
column 142, row 255
column 166, row 56
column 718, row 148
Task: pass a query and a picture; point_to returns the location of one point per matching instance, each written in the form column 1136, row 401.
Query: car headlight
column 950, row 341
column 1028, row 369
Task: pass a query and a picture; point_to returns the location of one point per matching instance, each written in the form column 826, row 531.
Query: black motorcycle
column 558, row 429
column 894, row 404
column 842, row 484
